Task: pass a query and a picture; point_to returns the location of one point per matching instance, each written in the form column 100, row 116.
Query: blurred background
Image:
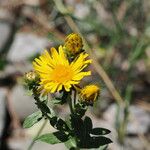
column 118, row 37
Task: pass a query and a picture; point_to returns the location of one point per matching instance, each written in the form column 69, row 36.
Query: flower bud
column 73, row 44
column 31, row 76
column 89, row 94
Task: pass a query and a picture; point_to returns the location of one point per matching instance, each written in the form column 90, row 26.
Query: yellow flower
column 89, row 93
column 56, row 72
column 73, row 44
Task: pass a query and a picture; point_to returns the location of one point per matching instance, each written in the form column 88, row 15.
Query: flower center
column 62, row 74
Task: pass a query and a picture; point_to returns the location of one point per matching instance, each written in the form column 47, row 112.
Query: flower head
column 89, row 93
column 73, row 44
column 56, row 72
column 31, row 76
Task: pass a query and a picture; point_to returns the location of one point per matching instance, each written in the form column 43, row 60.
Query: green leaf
column 61, row 99
column 32, row 119
column 59, row 124
column 3, row 63
column 53, row 121
column 80, row 109
column 103, row 147
column 100, row 131
column 68, row 122
column 77, row 125
column 44, row 107
column 53, row 138
column 95, row 142
column 71, row 143
column 138, row 52
column 56, row 101
column 43, row 98
column 88, row 123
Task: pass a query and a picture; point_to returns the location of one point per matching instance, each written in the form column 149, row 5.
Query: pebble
column 22, row 102
column 139, row 121
column 5, row 29
column 26, row 45
column 2, row 108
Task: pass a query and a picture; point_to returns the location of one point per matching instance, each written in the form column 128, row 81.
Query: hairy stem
column 70, row 105
column 74, row 97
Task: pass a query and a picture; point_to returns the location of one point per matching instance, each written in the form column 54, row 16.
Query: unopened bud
column 73, row 44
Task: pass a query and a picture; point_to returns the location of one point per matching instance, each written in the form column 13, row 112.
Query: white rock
column 22, row 103
column 138, row 119
column 22, row 144
column 26, row 45
column 4, row 33
column 2, row 108
column 81, row 10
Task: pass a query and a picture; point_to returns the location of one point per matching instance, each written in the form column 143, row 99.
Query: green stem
column 38, row 133
column 70, row 105
column 74, row 98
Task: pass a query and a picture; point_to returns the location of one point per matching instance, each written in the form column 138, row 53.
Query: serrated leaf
column 80, row 109
column 43, row 98
column 53, row 138
column 95, row 142
column 57, row 101
column 77, row 125
column 58, row 123
column 61, row 125
column 100, row 131
column 32, row 119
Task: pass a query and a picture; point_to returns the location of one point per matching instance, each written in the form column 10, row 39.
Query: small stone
column 5, row 29
column 2, row 108
column 22, row 103
column 26, row 45
column 81, row 10
column 138, row 119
